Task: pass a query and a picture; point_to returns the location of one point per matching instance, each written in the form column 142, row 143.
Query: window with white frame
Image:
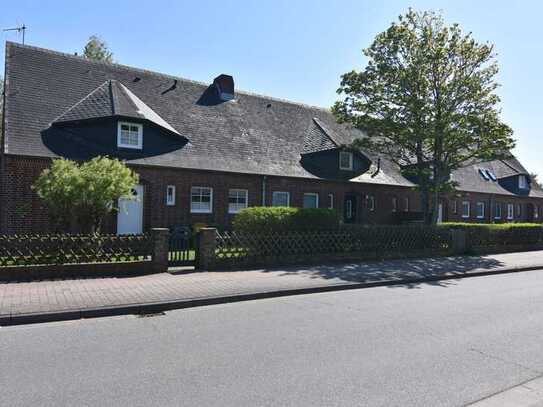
column 455, row 207
column 406, row 204
column 394, row 204
column 280, row 198
column 345, row 160
column 170, row 195
column 519, row 210
column 237, row 200
column 480, row 210
column 130, row 135
column 536, row 211
column 497, row 210
column 510, row 211
column 522, row 182
column 311, row 200
column 371, row 203
column 330, row 201
column 201, row 200
column 466, row 209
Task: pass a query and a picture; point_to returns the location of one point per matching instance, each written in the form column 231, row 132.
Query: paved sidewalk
column 132, row 294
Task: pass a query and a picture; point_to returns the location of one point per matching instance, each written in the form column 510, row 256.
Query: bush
column 501, row 234
column 284, row 219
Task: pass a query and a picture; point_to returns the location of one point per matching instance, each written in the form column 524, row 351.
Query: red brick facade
column 23, row 212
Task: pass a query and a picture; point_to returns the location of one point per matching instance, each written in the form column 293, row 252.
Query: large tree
column 427, row 101
column 97, row 50
column 80, row 196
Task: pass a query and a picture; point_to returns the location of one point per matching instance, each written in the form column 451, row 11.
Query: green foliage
column 498, row 235
column 427, row 101
column 85, row 192
column 284, row 219
column 489, row 226
column 97, row 49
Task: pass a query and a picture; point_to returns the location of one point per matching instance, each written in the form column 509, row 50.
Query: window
column 311, row 200
column 394, row 204
column 480, row 210
column 522, row 182
column 519, row 210
column 129, row 135
column 497, row 210
column 510, row 211
column 371, row 203
column 330, row 201
column 406, row 204
column 237, row 200
column 536, row 211
column 345, row 160
column 465, row 209
column 170, row 195
column 201, row 200
column 455, row 207
column 280, row 198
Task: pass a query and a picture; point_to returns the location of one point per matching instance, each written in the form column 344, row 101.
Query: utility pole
column 19, row 29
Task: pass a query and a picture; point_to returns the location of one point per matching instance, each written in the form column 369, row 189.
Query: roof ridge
column 161, row 74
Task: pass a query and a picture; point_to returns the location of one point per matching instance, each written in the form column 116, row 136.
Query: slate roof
column 251, row 134
column 112, row 98
column 469, row 179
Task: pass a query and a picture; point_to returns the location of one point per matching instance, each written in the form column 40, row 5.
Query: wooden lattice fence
column 234, row 249
column 27, row 250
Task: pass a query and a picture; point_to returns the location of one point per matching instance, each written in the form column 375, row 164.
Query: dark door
column 349, row 209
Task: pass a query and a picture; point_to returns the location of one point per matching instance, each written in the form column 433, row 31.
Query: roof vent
column 225, row 86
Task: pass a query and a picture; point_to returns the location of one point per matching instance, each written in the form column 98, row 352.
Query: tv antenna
column 19, row 29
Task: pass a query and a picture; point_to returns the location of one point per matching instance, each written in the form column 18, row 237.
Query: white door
column 130, row 215
column 440, row 213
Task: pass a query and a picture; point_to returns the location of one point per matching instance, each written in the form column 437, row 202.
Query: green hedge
column 284, row 219
column 499, row 234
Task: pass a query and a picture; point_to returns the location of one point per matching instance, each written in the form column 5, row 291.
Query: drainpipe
column 264, row 179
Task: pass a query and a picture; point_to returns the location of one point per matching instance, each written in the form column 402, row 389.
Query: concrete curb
column 161, row 306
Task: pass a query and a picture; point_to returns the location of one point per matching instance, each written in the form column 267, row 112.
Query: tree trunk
column 425, row 206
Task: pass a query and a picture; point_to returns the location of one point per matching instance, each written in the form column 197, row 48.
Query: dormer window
column 130, row 135
column 346, row 160
column 522, row 182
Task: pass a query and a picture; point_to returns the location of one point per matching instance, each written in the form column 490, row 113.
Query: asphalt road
column 439, row 344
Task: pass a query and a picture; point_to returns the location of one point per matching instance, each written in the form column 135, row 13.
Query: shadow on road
column 369, row 272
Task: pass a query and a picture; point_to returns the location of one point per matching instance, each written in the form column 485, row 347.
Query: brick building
column 205, row 151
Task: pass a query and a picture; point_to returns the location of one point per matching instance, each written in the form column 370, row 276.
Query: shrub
column 284, row 219
column 502, row 234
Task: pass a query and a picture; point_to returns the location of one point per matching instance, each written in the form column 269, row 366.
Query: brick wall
column 21, row 210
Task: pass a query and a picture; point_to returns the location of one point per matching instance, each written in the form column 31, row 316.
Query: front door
column 130, row 215
column 349, row 209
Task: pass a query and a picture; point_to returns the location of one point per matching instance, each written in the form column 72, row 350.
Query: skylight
column 484, row 174
column 491, row 175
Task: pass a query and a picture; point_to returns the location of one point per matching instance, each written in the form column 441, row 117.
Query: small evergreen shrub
column 284, row 219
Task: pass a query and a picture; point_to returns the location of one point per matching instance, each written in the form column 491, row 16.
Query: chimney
column 225, row 86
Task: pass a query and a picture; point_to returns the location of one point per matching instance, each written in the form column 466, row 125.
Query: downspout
column 264, row 179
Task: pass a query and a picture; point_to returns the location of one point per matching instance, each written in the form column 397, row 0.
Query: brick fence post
column 161, row 245
column 205, row 249
column 459, row 241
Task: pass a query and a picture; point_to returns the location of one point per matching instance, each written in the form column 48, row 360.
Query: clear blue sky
column 289, row 49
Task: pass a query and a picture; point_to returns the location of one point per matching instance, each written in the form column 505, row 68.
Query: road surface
column 447, row 343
